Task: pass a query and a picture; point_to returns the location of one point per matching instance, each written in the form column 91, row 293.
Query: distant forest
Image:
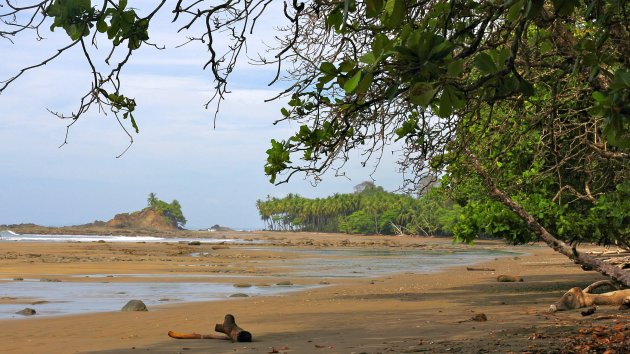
column 369, row 210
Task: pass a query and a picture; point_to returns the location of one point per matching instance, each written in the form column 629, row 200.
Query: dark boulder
column 27, row 312
column 134, row 305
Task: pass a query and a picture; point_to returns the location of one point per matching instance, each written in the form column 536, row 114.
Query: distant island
column 218, row 227
column 159, row 217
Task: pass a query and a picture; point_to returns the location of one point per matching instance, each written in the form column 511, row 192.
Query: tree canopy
column 522, row 106
column 172, row 210
column 369, row 210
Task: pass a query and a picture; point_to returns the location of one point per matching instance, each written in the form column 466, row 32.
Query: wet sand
column 401, row 313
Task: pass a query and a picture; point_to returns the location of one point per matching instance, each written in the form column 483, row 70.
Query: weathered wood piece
column 178, row 335
column 232, row 330
column 509, row 278
column 577, row 298
column 229, row 327
column 479, row 269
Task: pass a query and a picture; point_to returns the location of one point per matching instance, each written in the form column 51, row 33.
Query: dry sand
column 400, row 313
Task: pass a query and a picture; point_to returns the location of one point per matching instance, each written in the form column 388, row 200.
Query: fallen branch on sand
column 577, row 298
column 477, row 269
column 229, row 327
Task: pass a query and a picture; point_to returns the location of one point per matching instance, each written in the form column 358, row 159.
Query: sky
column 216, row 173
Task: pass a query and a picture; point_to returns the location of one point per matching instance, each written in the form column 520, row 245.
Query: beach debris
column 318, row 346
column 50, row 280
column 194, row 243
column 509, row 278
column 239, row 295
column 589, row 311
column 229, row 327
column 577, row 298
column 39, row 302
column 284, row 283
column 18, row 279
column 134, row 305
column 478, row 317
column 478, row 269
column 242, row 285
column 625, row 304
column 273, row 350
column 27, row 312
column 600, row 339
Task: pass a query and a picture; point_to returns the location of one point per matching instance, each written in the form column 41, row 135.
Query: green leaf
column 545, row 47
column 73, row 32
column 328, row 68
column 368, row 58
column 422, row 94
column 394, row 13
column 449, row 99
column 614, row 133
column 373, row 8
column 335, row 19
column 408, row 128
column 515, row 11
column 351, row 85
column 101, row 26
column 622, row 78
column 347, row 65
column 440, row 50
column 133, row 123
column 365, row 83
column 380, row 44
column 445, row 108
column 485, row 64
column 599, row 97
column 323, row 81
column 455, row 68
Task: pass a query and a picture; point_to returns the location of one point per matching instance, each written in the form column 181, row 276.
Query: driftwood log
column 229, row 327
column 577, row 298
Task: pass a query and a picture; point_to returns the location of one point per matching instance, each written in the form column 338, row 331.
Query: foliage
column 172, row 211
column 369, row 210
column 536, row 90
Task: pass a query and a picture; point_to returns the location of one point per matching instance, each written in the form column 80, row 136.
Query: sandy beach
column 397, row 313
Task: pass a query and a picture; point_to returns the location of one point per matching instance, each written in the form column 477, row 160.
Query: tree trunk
column 583, row 259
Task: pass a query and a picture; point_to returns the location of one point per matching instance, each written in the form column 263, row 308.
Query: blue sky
column 215, row 173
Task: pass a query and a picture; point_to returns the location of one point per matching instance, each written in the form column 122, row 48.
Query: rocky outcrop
column 144, row 219
column 218, row 227
column 134, row 305
column 27, row 312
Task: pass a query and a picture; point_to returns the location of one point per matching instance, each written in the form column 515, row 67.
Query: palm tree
column 152, row 200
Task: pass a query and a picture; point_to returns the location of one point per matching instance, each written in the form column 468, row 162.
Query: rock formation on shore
column 144, row 219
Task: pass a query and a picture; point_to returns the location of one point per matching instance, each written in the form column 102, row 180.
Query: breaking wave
column 8, row 233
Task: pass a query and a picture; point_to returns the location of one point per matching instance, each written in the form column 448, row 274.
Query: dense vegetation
column 464, row 214
column 369, row 210
column 172, row 210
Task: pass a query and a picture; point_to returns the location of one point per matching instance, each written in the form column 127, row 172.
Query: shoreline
column 306, row 267
column 406, row 312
